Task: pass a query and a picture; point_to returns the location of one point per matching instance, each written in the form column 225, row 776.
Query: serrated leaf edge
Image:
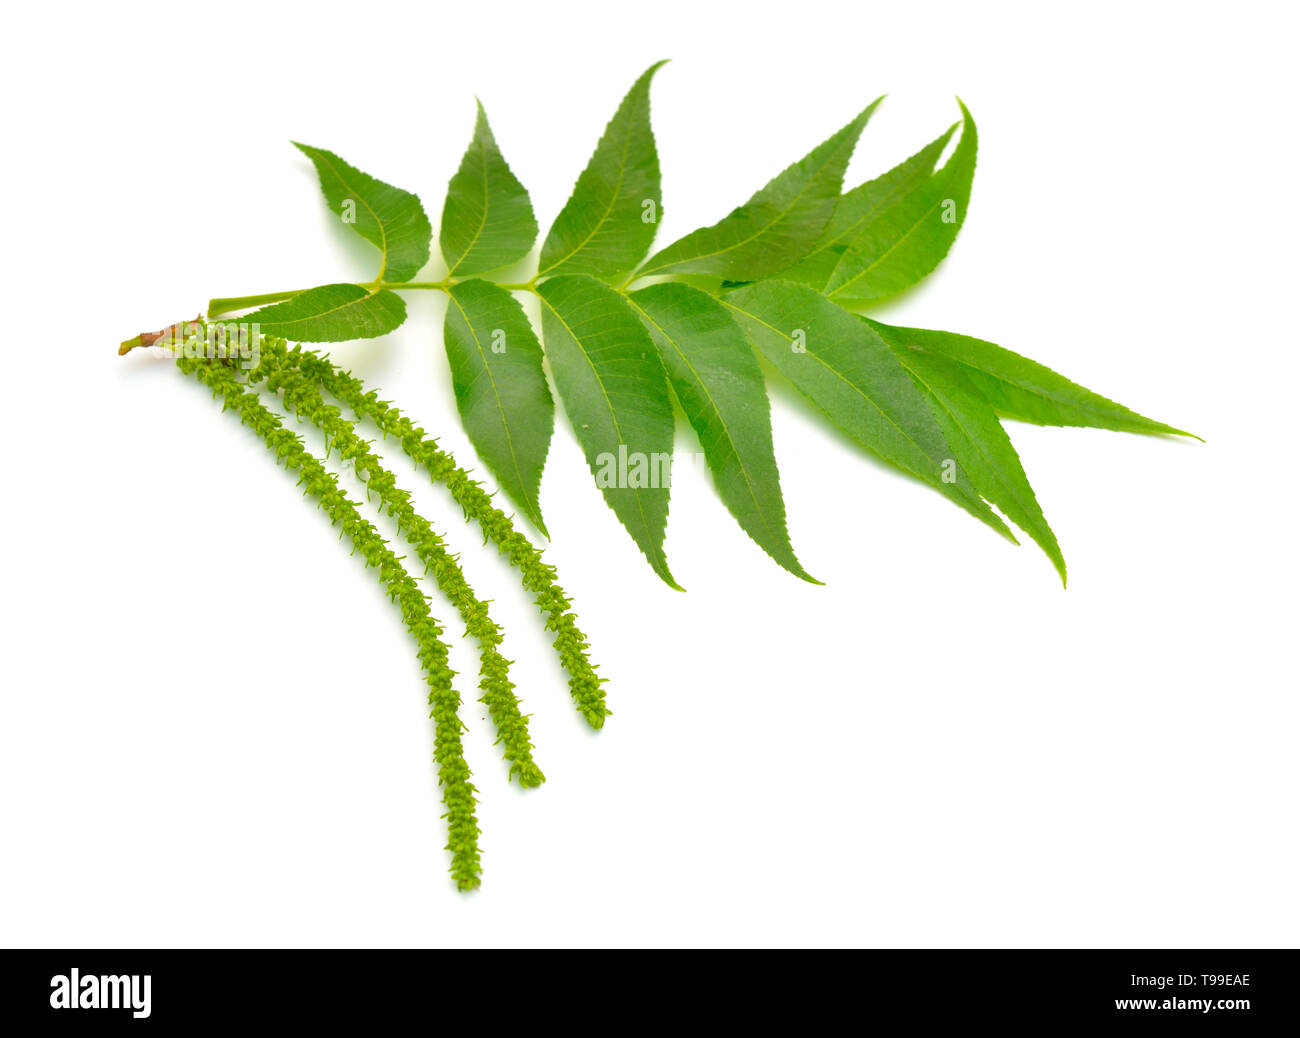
column 531, row 508
column 782, row 531
column 660, row 566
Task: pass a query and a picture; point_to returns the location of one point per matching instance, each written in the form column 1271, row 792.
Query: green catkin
column 537, row 576
column 301, row 396
column 453, row 772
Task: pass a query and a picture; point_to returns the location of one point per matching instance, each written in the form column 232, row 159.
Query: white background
column 213, row 729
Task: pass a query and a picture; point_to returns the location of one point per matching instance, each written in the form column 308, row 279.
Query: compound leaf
column 501, row 392
column 488, row 219
column 844, row 367
column 331, row 313
column 609, row 222
column 611, row 380
column 720, row 386
column 392, row 220
column 778, row 224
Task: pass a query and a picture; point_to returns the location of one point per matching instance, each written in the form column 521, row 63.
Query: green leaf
column 609, row 222
column 392, row 220
column 610, row 378
column 488, row 219
column 777, row 226
column 845, row 368
column 980, row 444
column 331, row 313
column 1018, row 387
column 720, row 386
column 859, row 210
column 501, row 392
column 906, row 241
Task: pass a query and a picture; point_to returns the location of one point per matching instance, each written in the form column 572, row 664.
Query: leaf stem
column 391, row 286
column 447, row 283
column 229, row 304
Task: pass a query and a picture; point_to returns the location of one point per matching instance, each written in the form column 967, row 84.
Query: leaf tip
column 648, row 74
column 643, row 81
column 661, row 568
column 1162, row 429
column 855, row 127
column 793, row 566
column 1053, row 552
